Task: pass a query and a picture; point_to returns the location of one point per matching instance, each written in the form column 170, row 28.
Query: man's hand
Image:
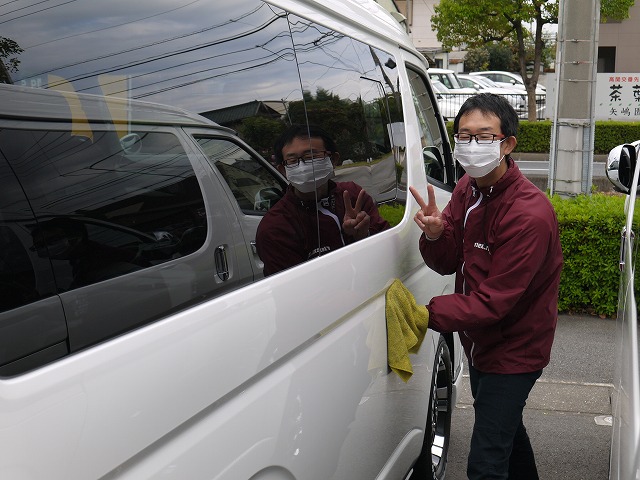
column 356, row 221
column 428, row 218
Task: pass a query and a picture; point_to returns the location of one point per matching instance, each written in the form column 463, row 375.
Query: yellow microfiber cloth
column 406, row 327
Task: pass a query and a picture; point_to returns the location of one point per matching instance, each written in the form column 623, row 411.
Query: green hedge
column 590, row 229
column 535, row 137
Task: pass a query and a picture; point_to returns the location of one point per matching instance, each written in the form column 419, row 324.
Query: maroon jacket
column 288, row 233
column 503, row 244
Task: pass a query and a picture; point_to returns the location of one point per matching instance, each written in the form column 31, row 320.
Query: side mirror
column 131, row 143
column 621, row 165
column 433, row 164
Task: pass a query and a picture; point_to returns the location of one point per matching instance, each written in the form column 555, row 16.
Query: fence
column 449, row 104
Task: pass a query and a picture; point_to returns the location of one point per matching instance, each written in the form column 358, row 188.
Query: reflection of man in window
column 316, row 215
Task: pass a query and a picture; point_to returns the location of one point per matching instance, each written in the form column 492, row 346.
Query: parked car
column 139, row 337
column 509, row 80
column 623, row 170
column 449, row 101
column 450, row 80
column 484, row 85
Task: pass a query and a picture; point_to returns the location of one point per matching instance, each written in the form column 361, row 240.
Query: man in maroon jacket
column 316, row 215
column 499, row 235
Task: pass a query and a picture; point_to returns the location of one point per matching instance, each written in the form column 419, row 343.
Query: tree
column 615, row 9
column 477, row 59
column 261, row 133
column 483, row 22
column 8, row 63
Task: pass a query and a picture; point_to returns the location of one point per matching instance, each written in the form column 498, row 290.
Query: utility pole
column 572, row 134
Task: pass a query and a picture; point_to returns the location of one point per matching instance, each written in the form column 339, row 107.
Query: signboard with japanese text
column 618, row 96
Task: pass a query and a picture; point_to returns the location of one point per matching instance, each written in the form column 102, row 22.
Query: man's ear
column 335, row 159
column 281, row 169
column 510, row 144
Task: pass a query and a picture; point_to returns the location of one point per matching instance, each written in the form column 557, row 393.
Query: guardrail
column 449, row 103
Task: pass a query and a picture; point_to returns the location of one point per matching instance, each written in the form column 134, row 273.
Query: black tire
column 432, row 462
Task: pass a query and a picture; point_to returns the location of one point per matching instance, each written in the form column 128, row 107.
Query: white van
column 623, row 171
column 138, row 336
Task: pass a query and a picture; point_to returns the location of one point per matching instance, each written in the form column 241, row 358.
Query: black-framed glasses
column 308, row 157
column 481, row 138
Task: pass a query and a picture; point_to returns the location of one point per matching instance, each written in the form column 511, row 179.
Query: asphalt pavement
column 568, row 411
column 535, row 167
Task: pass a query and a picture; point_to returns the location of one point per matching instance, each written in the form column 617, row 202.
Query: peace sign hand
column 356, row 221
column 428, row 218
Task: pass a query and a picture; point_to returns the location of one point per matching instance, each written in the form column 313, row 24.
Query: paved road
column 565, row 409
column 541, row 167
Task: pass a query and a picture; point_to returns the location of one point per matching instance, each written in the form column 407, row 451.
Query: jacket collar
column 512, row 173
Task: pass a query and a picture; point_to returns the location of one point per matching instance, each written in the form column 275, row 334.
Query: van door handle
column 222, row 266
column 254, row 250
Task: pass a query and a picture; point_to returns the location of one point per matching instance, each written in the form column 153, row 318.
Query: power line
column 37, row 11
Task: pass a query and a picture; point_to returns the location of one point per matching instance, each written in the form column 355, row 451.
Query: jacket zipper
column 464, row 281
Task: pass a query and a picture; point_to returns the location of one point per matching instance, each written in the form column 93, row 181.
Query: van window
column 123, row 229
column 433, row 146
column 256, row 69
column 33, row 330
column 24, row 276
column 102, row 213
column 351, row 90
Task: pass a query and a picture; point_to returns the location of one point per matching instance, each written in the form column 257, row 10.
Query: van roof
column 24, row 103
column 353, row 17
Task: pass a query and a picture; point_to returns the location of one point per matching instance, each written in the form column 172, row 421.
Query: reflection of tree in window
column 8, row 64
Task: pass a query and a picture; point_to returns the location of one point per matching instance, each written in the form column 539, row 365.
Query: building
column 618, row 41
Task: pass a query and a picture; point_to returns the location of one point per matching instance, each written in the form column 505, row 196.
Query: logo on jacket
column 481, row 246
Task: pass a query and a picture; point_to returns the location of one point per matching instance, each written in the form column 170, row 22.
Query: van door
column 252, row 184
column 33, row 330
column 132, row 234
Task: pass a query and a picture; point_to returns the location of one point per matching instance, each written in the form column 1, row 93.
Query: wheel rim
column 441, row 415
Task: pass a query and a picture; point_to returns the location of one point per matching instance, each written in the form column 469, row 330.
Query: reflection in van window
column 431, row 140
column 351, row 91
column 24, row 277
column 102, row 213
column 255, row 188
column 317, row 215
column 256, row 69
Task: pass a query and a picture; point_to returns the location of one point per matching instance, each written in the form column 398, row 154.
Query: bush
column 611, row 134
column 392, row 213
column 590, row 229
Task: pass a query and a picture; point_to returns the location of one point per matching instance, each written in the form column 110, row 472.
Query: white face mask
column 478, row 159
column 308, row 176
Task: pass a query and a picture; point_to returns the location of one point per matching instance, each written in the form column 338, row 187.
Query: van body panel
column 192, row 364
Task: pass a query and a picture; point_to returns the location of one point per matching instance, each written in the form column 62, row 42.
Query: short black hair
column 490, row 103
column 302, row 131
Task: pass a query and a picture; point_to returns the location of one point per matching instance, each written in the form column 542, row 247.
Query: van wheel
column 432, row 462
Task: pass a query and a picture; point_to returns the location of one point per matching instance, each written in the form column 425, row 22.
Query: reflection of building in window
column 232, row 116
